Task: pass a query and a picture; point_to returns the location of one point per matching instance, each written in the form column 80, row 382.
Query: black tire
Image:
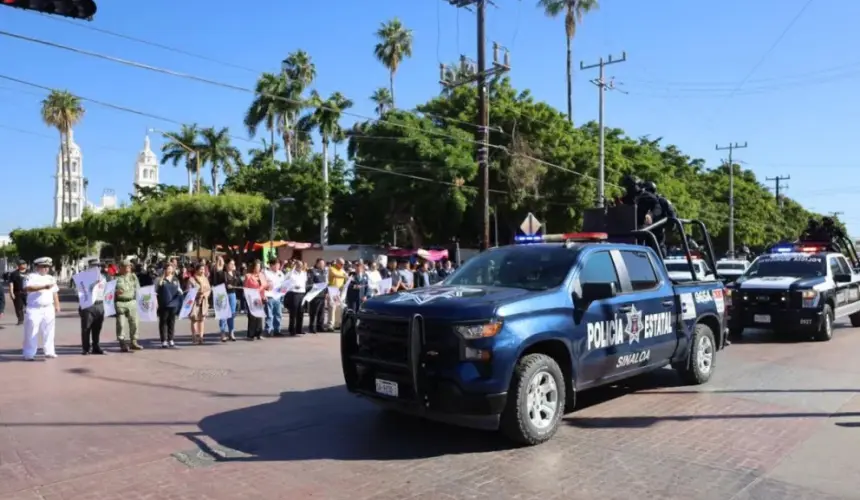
column 825, row 329
column 515, row 423
column 855, row 319
column 701, row 358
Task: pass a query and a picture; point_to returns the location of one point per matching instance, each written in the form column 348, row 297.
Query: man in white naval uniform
column 43, row 304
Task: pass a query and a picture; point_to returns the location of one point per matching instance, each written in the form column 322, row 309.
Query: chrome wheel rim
column 705, row 354
column 542, row 400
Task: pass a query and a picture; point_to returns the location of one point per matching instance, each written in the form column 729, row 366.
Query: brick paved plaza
column 271, row 420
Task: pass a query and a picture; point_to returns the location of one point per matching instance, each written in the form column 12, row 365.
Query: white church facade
column 145, row 175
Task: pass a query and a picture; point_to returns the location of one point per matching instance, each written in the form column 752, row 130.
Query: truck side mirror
column 597, row 291
column 842, row 278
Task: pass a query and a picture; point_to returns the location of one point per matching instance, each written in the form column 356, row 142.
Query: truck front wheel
column 700, row 362
column 536, row 400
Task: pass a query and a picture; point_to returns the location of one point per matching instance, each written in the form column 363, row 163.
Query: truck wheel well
column 557, row 350
column 714, row 324
column 830, row 302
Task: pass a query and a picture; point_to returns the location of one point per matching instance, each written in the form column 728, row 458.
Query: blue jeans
column 274, row 309
column 227, row 325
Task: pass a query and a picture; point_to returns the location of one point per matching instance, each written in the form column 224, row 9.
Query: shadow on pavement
column 332, row 424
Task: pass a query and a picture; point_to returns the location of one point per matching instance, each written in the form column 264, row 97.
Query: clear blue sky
column 685, row 59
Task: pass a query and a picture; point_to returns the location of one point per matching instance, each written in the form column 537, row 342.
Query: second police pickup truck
column 508, row 340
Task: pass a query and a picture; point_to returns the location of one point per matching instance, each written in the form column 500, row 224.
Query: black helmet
column 650, row 186
column 827, row 221
column 630, row 182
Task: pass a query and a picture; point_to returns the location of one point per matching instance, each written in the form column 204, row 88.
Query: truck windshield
column 530, row 267
column 727, row 266
column 800, row 267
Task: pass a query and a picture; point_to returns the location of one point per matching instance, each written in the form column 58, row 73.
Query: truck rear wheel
column 700, row 362
column 536, row 400
column 855, row 319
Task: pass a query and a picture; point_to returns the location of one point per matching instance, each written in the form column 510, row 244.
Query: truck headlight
column 809, row 298
column 479, row 331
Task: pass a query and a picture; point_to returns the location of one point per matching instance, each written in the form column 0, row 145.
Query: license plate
column 387, row 388
column 758, row 318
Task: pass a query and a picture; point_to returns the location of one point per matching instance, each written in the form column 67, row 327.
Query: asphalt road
column 271, row 420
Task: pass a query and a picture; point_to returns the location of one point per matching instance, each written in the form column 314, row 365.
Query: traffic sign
column 531, row 225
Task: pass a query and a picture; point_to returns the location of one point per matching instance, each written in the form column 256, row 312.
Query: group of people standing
column 280, row 288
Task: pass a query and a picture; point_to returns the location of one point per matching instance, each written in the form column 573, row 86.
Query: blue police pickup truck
column 508, row 339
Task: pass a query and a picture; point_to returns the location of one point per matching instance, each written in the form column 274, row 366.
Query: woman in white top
column 297, row 276
column 373, row 278
column 43, row 304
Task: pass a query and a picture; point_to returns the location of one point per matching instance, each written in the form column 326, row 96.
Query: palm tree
column 266, row 108
column 383, row 100
column 573, row 10
column 301, row 73
column 263, row 153
column 62, row 110
column 326, row 119
column 217, row 150
column 182, row 147
column 395, row 44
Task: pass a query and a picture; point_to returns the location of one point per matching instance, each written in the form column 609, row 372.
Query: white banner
column 110, row 299
column 188, row 303
column 89, row 286
column 147, row 304
column 383, row 286
column 221, row 302
column 344, row 289
column 316, row 289
column 283, row 288
column 255, row 303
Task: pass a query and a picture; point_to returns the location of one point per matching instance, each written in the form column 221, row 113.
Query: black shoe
column 98, row 351
column 278, row 334
column 85, row 353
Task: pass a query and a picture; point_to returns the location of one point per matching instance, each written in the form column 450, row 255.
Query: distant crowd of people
column 173, row 279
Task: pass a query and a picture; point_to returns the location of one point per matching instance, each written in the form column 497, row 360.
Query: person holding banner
column 359, row 288
column 201, row 302
column 297, row 277
column 169, row 296
column 316, row 307
column 93, row 313
column 257, row 281
column 232, row 282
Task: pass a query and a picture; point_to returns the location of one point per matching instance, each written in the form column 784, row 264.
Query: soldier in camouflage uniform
column 127, row 287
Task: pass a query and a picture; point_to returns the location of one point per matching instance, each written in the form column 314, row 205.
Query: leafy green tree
column 383, row 100
column 183, row 147
column 394, row 45
column 574, row 11
column 158, row 192
column 63, row 110
column 53, row 242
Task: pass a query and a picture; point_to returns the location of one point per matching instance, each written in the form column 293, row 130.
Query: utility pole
column 836, row 214
column 481, row 75
column 778, row 187
column 601, row 84
column 731, row 148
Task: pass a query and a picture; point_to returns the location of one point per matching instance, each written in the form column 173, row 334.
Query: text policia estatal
column 628, row 328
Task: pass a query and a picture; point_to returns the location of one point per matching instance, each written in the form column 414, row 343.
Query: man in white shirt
column 43, row 304
column 298, row 278
column 274, row 307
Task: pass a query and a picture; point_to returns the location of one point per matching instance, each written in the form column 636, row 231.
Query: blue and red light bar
column 800, row 247
column 561, row 238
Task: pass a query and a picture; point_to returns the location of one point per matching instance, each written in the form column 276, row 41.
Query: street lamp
column 184, row 146
column 275, row 204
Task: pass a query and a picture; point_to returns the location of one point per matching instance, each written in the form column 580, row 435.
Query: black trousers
column 293, row 302
column 316, row 314
column 19, row 302
column 166, row 324
column 92, row 319
column 255, row 327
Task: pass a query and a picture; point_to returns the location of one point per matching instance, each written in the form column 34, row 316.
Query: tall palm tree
column 325, row 117
column 182, row 147
column 301, row 73
column 217, row 150
column 63, row 110
column 395, row 44
column 383, row 100
column 573, row 11
column 266, row 109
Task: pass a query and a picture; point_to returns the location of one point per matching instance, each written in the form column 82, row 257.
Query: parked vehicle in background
column 731, row 269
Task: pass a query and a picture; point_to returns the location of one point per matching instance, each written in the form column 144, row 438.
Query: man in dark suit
column 16, row 290
column 92, row 320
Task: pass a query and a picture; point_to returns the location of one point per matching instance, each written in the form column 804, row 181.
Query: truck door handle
column 625, row 309
column 668, row 303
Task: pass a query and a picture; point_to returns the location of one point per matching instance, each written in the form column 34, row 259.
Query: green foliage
column 158, row 192
column 53, row 242
column 8, row 251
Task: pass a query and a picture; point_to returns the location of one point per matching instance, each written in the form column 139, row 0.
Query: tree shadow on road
column 332, row 424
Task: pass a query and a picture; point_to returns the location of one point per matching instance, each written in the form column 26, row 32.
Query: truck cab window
column 599, row 268
column 530, row 267
column 640, row 270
